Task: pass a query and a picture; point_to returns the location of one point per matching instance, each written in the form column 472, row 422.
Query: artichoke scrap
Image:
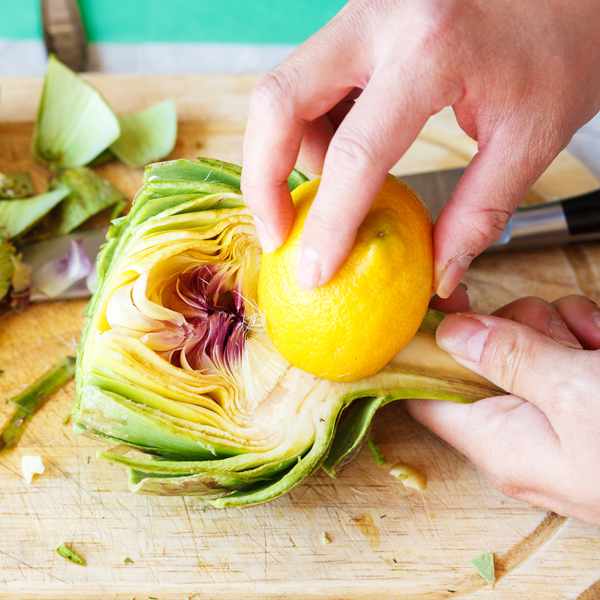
column 176, row 362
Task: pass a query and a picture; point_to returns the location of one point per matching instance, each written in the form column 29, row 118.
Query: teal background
column 203, row 21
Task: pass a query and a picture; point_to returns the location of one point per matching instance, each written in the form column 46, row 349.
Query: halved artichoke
column 176, row 362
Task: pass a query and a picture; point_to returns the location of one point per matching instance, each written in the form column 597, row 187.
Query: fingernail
column 267, row 242
column 463, row 337
column 451, row 275
column 309, row 269
column 560, row 332
column 596, row 318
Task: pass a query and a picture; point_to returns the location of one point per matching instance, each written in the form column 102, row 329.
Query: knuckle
column 511, row 490
column 273, row 93
column 351, row 152
column 493, row 223
column 435, row 25
column 507, row 356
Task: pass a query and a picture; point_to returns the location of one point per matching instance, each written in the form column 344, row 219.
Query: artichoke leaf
column 7, row 267
column 84, row 195
column 208, row 170
column 176, row 363
column 16, row 185
column 19, row 216
column 147, row 135
column 74, row 123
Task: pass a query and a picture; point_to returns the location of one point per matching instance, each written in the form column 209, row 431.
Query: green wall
column 226, row 21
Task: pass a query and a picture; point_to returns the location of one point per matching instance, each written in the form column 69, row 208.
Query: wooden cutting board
column 386, row 541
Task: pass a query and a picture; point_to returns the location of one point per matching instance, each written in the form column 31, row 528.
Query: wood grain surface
column 386, row 541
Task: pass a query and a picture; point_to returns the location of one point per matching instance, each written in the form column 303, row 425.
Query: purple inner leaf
column 214, row 310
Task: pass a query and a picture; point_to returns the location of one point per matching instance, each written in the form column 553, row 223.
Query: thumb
column 489, row 192
column 520, row 360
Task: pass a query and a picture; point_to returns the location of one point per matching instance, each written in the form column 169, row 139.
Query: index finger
column 307, row 85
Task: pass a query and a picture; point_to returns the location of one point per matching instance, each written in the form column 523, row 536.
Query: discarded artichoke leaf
column 207, row 170
column 128, row 561
column 85, row 194
column 70, row 555
column 19, row 216
column 89, row 194
column 147, row 135
column 21, row 277
column 7, row 267
column 74, row 123
column 484, row 565
column 175, row 360
column 16, row 185
column 20, row 290
column 325, row 538
column 32, row 397
column 15, row 275
column 379, row 458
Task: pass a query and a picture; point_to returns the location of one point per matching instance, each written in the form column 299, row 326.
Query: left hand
column 540, row 444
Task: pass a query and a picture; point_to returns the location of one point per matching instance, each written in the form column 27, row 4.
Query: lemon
column 354, row 325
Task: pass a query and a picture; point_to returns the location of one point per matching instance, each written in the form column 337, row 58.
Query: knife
column 64, row 34
column 554, row 223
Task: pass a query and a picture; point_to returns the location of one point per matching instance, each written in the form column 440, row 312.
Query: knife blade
column 554, row 223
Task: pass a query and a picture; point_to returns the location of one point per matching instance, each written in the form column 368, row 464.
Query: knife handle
column 552, row 224
column 583, row 213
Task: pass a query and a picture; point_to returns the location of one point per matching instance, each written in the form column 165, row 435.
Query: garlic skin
column 31, row 465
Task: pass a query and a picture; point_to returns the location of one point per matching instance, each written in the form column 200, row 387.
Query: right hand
column 522, row 77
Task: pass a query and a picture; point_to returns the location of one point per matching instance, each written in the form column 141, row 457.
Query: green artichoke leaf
column 19, row 216
column 7, row 268
column 351, row 434
column 207, row 170
column 16, row 185
column 175, row 361
column 147, row 135
column 84, row 195
column 74, row 123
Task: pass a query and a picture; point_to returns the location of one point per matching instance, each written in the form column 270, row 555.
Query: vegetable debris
column 410, row 476
column 19, row 216
column 379, row 459
column 74, row 127
column 128, row 560
column 59, row 275
column 484, row 565
column 147, row 135
column 70, row 555
column 325, row 538
column 32, row 397
column 74, row 123
column 31, row 465
column 16, row 185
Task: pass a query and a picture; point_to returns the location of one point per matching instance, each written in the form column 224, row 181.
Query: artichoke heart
column 176, row 361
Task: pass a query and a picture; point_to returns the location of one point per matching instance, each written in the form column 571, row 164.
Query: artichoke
column 175, row 361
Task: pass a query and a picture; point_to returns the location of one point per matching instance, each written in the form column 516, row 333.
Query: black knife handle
column 583, row 213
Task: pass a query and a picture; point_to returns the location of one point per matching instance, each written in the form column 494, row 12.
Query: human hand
column 541, row 444
column 522, row 77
